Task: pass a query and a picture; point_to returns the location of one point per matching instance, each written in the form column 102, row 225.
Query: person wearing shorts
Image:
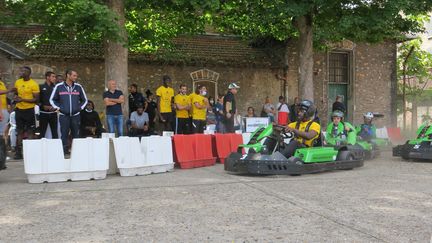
column 26, row 97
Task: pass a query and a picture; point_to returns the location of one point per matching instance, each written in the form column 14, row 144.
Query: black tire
column 344, row 156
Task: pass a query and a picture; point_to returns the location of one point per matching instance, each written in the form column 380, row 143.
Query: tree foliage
column 418, row 68
column 150, row 24
column 332, row 20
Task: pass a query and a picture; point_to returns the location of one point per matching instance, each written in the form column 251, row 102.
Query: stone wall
column 373, row 70
column 256, row 83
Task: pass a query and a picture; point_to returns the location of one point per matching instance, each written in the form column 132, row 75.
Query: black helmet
column 308, row 107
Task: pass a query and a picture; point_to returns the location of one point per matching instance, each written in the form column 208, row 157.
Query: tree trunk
column 116, row 54
column 285, row 71
column 306, row 61
column 404, row 84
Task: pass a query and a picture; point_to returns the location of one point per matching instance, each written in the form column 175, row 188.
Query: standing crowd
column 60, row 105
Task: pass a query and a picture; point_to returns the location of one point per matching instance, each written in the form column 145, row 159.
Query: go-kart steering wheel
column 287, row 135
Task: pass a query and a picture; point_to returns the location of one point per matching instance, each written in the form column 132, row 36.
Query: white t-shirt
column 139, row 120
column 284, row 108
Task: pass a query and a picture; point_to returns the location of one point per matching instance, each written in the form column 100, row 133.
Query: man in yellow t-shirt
column 27, row 95
column 165, row 96
column 4, row 120
column 199, row 113
column 183, row 104
column 305, row 130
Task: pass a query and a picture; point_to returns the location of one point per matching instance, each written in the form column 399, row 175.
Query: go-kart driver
column 424, row 130
column 367, row 130
column 305, row 130
column 339, row 131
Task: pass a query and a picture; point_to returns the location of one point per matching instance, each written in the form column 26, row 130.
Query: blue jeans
column 69, row 123
column 115, row 122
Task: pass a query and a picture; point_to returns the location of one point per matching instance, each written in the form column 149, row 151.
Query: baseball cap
column 233, row 86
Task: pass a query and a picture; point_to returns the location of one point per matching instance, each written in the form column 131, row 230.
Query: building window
column 338, row 68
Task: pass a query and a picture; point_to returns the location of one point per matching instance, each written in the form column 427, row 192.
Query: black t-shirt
column 113, row 109
column 151, row 109
column 134, row 100
column 229, row 97
column 90, row 119
column 45, row 94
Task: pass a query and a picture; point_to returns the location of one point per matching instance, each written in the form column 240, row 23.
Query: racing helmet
column 308, row 107
column 368, row 115
column 337, row 113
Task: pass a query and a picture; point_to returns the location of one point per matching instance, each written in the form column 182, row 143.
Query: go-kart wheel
column 345, row 156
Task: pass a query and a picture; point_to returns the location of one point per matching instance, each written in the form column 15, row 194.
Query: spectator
column 200, row 104
column 139, row 122
column 211, row 117
column 268, row 110
column 151, row 110
column 338, row 105
column 183, row 105
column 69, row 99
column 250, row 112
column 135, row 98
column 48, row 115
column 4, row 114
column 294, row 109
column 12, row 132
column 165, row 96
column 91, row 125
column 27, row 95
column 59, row 79
column 230, row 108
column 218, row 111
column 113, row 99
column 4, row 119
column 238, row 125
column 283, row 111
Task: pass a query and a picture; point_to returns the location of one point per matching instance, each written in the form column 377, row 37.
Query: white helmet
column 368, row 115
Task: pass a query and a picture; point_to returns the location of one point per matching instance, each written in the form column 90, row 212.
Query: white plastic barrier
column 167, row 133
column 382, row 133
column 44, row 160
column 152, row 155
column 246, row 138
column 112, row 160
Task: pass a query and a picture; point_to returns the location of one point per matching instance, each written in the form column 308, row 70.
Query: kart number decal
column 243, row 157
column 417, row 146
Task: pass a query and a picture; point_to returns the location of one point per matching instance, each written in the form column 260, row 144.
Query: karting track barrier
column 44, row 160
column 226, row 144
column 113, row 169
column 152, row 155
column 395, row 135
column 192, row 151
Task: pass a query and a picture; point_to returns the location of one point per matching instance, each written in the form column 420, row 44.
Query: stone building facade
column 365, row 72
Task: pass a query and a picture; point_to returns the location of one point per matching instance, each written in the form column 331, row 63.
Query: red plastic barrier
column 192, row 151
column 204, row 150
column 283, row 118
column 395, row 135
column 184, row 154
column 226, row 144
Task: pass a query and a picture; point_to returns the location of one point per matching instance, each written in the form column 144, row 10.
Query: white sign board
column 252, row 123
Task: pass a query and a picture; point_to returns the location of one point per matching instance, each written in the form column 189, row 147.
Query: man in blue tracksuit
column 69, row 99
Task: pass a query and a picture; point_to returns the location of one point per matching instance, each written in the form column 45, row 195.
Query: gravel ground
column 387, row 200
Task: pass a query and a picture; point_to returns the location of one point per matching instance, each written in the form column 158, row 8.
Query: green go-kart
column 419, row 148
column 264, row 156
column 370, row 150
